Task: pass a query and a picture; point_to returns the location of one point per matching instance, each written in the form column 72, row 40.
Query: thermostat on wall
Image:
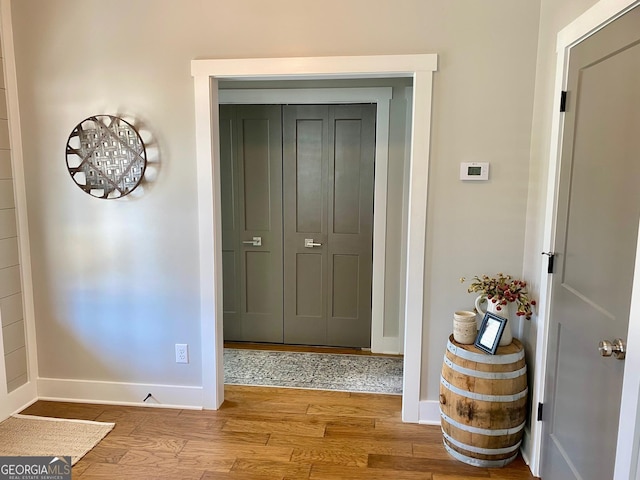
column 474, row 171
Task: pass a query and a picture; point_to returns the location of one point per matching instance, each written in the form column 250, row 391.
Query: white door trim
column 628, row 445
column 206, row 74
column 27, row 393
column 598, row 16
column 381, row 96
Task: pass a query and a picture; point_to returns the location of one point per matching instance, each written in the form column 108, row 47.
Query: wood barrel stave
column 483, row 401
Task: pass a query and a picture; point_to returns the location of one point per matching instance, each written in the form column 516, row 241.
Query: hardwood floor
column 270, row 433
column 279, row 347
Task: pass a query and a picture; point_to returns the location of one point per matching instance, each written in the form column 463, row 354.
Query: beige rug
column 317, row 371
column 28, row 435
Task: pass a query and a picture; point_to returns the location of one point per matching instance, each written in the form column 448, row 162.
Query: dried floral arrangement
column 503, row 289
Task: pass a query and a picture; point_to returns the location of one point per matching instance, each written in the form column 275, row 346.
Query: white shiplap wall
column 11, row 311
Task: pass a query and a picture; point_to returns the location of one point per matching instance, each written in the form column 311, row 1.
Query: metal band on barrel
column 482, row 396
column 484, row 451
column 476, row 462
column 483, row 358
column 488, row 375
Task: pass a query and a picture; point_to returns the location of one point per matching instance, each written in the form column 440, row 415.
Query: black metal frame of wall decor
column 106, row 156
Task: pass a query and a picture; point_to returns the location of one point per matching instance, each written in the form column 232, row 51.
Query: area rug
column 317, row 371
column 29, row 435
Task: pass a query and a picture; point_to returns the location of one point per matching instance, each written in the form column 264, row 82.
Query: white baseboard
column 386, row 345
column 526, row 448
column 429, row 413
column 117, row 393
column 17, row 400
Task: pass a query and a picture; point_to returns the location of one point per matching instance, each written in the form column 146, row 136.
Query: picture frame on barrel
column 490, row 333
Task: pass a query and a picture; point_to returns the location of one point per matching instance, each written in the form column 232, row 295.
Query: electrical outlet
column 182, row 353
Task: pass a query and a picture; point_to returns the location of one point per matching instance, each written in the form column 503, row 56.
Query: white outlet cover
column 182, row 353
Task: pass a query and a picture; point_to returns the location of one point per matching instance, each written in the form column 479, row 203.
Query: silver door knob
column 617, row 348
column 309, row 243
column 255, row 242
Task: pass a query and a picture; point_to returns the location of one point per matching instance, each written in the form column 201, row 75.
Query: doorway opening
column 393, row 102
column 207, row 74
column 335, row 210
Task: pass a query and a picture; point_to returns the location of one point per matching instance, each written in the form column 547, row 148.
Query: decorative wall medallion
column 106, row 156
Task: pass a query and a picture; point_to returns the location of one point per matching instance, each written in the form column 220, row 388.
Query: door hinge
column 552, row 257
column 540, row 406
column 563, row 101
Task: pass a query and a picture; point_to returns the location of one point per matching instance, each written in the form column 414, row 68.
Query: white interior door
column 597, row 228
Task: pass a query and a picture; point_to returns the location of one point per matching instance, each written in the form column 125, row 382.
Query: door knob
column 255, row 242
column 618, row 348
column 309, row 243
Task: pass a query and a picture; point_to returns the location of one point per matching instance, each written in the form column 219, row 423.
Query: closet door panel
column 252, row 157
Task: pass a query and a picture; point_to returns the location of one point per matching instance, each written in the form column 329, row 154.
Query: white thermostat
column 474, row 171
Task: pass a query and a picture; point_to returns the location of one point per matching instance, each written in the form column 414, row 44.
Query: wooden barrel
column 483, row 400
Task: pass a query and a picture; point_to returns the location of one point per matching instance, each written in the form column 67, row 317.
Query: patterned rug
column 317, row 371
column 29, row 435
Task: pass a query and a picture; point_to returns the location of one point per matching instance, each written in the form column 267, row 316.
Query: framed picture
column 490, row 333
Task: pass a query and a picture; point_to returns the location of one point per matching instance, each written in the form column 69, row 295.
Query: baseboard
column 386, row 346
column 429, row 412
column 526, row 447
column 17, row 400
column 118, row 393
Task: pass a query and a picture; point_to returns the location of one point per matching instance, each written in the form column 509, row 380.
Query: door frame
column 628, row 445
column 206, row 95
column 381, row 96
column 10, row 402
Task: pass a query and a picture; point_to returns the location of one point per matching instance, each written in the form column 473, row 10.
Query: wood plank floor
column 279, row 347
column 270, row 433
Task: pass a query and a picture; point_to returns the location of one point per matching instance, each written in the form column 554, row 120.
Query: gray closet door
column 328, row 216
column 230, row 259
column 251, row 176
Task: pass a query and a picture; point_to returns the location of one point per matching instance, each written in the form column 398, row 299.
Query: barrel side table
column 483, row 401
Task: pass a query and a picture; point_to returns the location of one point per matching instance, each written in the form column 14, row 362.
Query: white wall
column 482, row 112
column 116, row 282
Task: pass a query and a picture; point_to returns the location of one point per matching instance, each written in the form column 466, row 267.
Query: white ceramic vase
column 504, row 312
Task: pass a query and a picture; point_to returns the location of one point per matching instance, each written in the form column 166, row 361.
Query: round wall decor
column 106, row 156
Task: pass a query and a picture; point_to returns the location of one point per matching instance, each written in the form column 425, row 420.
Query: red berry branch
column 503, row 289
